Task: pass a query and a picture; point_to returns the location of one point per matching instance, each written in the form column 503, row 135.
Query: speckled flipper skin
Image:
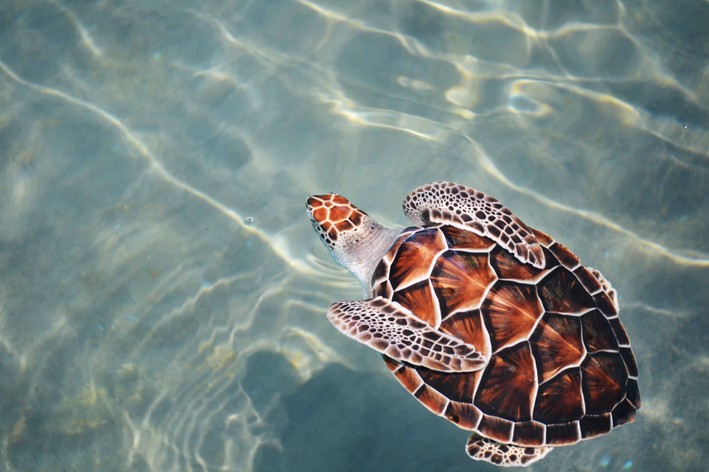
column 504, row 455
column 390, row 329
column 466, row 208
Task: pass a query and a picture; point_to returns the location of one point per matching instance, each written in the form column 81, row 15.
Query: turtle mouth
column 311, row 204
column 319, row 207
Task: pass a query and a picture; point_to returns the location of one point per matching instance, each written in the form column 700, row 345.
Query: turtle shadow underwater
column 338, row 406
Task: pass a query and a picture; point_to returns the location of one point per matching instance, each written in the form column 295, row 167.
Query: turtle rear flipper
column 607, row 287
column 387, row 327
column 505, row 455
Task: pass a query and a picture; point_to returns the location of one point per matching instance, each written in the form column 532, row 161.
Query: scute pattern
column 560, row 366
column 598, row 335
column 461, row 386
column 560, row 399
column 335, row 214
column 386, row 328
column 472, row 270
column 562, row 292
column 604, row 381
column 507, row 267
column 462, row 240
column 469, row 326
column 471, row 210
column 511, row 311
column 558, row 344
column 415, row 257
column 419, row 299
column 509, row 385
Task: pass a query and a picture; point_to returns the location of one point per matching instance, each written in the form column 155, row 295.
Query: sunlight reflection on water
column 162, row 296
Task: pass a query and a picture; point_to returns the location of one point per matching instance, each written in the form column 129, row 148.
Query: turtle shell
column 560, row 369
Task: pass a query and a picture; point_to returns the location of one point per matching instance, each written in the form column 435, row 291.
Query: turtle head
column 355, row 240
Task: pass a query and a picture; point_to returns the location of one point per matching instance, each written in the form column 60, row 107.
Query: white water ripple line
column 83, row 32
column 594, row 218
column 489, row 166
column 279, row 249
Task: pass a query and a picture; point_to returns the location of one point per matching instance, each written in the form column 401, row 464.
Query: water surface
column 162, row 294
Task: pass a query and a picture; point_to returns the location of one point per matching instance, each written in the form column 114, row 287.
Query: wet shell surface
column 560, row 366
column 485, row 320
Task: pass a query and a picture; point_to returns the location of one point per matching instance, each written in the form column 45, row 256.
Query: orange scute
column 561, row 292
column 464, row 414
column 508, row 267
column 457, row 387
column 340, row 212
column 511, row 313
column 558, row 344
column 469, row 327
column 433, row 400
column 340, row 200
column 604, row 381
column 320, row 214
column 464, row 239
column 344, row 225
column 335, row 214
column 508, row 386
column 415, row 257
column 460, row 280
column 408, row 377
column 419, row 299
column 560, row 399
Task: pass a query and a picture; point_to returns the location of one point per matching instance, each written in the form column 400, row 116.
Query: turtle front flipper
column 505, row 455
column 464, row 207
column 387, row 327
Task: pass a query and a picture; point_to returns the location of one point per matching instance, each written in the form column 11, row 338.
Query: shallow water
column 162, row 294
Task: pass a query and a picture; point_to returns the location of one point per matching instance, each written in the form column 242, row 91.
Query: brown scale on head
column 332, row 214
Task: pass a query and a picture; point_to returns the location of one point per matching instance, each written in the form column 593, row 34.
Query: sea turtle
column 487, row 322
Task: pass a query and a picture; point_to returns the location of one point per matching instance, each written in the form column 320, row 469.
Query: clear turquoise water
column 162, row 294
